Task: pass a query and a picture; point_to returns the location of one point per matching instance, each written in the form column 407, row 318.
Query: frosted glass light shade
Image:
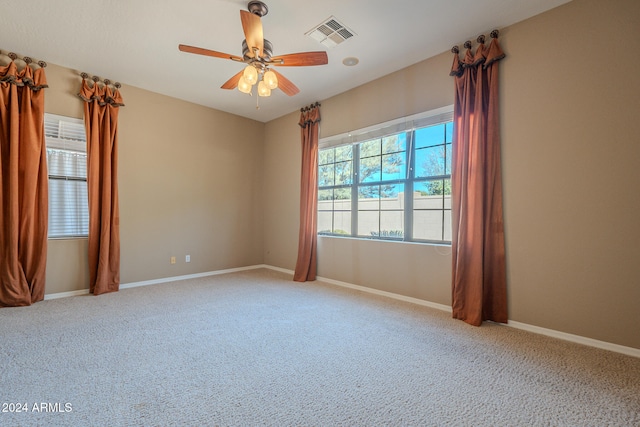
column 270, row 79
column 243, row 86
column 263, row 89
column 250, row 74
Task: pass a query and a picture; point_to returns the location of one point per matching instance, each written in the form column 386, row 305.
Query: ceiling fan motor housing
column 258, row 8
column 267, row 50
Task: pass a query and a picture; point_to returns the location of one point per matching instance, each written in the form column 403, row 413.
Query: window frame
column 70, row 139
column 409, row 126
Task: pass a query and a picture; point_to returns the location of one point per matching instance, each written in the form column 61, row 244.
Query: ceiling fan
column 257, row 54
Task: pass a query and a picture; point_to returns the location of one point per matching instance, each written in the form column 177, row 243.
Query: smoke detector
column 330, row 33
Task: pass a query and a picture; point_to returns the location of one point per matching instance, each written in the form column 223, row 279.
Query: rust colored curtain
column 101, row 122
column 307, row 241
column 478, row 271
column 24, row 182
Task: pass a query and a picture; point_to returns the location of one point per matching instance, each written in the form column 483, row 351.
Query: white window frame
column 66, row 146
column 354, row 139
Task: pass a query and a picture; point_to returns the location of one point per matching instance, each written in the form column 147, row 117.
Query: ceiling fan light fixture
column 244, row 86
column 270, row 79
column 250, row 74
column 263, row 89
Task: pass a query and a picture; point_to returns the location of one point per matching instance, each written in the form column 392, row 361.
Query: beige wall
column 197, row 181
column 569, row 105
column 190, row 182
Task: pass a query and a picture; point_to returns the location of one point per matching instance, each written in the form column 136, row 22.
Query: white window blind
column 404, row 124
column 67, row 163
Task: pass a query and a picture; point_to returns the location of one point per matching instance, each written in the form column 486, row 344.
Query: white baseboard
column 387, row 294
column 66, row 294
column 189, row 276
column 630, row 351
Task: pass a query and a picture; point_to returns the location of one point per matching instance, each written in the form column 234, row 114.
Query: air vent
column 330, row 33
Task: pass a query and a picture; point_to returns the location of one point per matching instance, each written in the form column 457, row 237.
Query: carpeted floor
column 255, row 348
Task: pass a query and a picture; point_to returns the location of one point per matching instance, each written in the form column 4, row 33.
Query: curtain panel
column 306, row 265
column 101, row 109
column 478, row 253
column 24, row 185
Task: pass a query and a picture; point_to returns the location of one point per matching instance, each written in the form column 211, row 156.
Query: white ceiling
column 136, row 42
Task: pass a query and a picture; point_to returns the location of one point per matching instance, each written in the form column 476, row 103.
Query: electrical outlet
column 173, row 260
column 187, row 258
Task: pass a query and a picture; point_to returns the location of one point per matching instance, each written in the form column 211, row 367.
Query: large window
column 394, row 186
column 67, row 162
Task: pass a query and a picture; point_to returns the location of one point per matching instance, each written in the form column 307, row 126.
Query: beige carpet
column 254, row 348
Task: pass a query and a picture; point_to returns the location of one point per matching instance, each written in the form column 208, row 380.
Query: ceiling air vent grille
column 330, row 33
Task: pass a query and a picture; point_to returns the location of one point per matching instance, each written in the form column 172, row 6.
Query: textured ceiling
column 136, row 42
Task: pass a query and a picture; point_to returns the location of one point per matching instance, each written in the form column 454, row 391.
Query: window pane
column 368, row 223
column 324, row 222
column 342, row 222
column 326, row 175
column 394, row 143
column 342, row 194
column 448, row 160
column 427, row 200
column 392, row 224
column 344, row 153
column 447, row 225
column 447, row 193
column 427, row 225
column 394, row 166
column 432, row 135
column 433, row 187
column 68, row 210
column 430, row 161
column 391, row 197
column 343, row 173
column 449, row 132
column 370, row 148
column 370, row 169
column 325, row 156
column 369, row 197
column 324, row 195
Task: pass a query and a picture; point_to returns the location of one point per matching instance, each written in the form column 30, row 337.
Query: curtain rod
column 98, row 79
column 302, row 110
column 494, row 35
column 26, row 59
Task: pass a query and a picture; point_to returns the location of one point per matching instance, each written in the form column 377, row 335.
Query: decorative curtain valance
column 306, row 264
column 101, row 107
column 24, row 183
column 478, row 253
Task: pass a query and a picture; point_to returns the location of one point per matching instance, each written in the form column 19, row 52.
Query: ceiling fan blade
column 302, row 59
column 207, row 52
column 232, row 83
column 252, row 26
column 285, row 85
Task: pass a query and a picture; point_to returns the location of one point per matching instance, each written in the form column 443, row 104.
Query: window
column 393, row 183
column 67, row 163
